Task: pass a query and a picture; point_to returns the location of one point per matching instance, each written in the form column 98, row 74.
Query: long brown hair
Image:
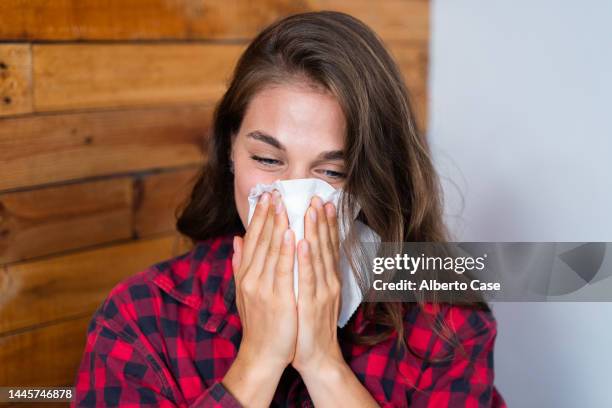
column 388, row 164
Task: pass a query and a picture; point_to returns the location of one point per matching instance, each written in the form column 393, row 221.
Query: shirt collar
column 203, row 280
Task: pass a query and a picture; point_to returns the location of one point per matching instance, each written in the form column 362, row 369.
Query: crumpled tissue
column 296, row 195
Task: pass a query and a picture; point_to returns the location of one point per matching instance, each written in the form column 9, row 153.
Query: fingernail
column 305, row 247
column 265, row 197
column 287, row 236
column 316, row 201
column 330, row 210
column 313, row 213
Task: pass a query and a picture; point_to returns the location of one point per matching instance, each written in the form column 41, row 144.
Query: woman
column 315, row 95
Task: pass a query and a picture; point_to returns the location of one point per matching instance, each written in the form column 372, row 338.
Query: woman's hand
column 263, row 271
column 318, row 358
column 319, row 292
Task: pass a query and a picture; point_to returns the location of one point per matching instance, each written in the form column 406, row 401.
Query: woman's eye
column 334, row 174
column 264, row 160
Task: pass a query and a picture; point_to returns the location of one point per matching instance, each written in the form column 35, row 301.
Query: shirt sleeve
column 463, row 381
column 115, row 371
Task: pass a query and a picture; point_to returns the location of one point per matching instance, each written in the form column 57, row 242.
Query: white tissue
column 296, row 195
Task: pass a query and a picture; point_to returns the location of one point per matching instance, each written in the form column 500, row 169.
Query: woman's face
column 288, row 132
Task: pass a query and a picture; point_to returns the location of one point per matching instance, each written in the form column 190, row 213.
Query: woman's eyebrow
column 266, row 138
column 331, row 155
column 271, row 140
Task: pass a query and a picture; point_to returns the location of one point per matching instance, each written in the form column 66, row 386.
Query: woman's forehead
column 296, row 116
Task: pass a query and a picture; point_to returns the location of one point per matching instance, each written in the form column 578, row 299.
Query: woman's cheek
column 244, row 181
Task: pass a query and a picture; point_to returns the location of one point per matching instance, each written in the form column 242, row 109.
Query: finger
column 325, row 245
column 311, row 233
column 283, row 279
column 332, row 223
column 237, row 255
column 281, row 222
column 262, row 245
column 254, row 228
column 236, row 264
column 306, row 276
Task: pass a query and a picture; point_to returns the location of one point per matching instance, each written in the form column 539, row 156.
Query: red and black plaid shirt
column 167, row 335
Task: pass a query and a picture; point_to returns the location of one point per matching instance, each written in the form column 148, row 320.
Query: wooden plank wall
column 104, row 109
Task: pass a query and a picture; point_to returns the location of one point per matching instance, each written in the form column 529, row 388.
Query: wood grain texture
column 138, row 19
column 80, row 76
column 36, row 150
column 53, row 354
column 157, row 196
column 15, row 78
column 105, row 108
column 60, row 287
column 54, row 219
column 93, row 76
column 405, row 21
column 69, row 20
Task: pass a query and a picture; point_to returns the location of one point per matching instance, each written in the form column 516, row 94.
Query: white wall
column 521, row 129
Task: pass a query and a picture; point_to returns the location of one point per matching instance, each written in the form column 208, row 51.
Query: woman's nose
column 297, row 174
